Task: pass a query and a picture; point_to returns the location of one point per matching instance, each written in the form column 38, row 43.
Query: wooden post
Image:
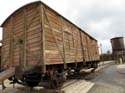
column 76, row 51
column 11, row 43
column 69, row 46
column 24, row 39
column 65, row 66
column 42, row 39
column 74, row 47
column 81, row 40
column 63, row 42
column 87, row 48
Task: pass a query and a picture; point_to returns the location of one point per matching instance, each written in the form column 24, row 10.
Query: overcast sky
column 103, row 19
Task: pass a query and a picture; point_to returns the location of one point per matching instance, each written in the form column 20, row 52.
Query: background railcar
column 38, row 39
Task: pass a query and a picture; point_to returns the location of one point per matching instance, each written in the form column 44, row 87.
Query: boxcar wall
column 0, row 56
column 37, row 35
column 21, row 37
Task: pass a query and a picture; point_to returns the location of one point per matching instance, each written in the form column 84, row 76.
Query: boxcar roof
column 38, row 2
column 117, row 38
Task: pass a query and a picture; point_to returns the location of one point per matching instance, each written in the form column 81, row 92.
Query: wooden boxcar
column 0, row 56
column 36, row 35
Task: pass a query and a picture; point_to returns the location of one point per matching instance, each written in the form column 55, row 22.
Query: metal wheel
column 95, row 64
column 89, row 65
column 32, row 79
column 56, row 83
column 56, row 80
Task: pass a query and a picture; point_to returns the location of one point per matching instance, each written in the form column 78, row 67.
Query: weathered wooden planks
column 72, row 44
column 41, row 34
column 26, row 27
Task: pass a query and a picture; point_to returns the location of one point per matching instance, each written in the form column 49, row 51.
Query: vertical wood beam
column 90, row 47
column 25, row 63
column 81, row 40
column 69, row 37
column 42, row 39
column 68, row 46
column 63, row 43
column 87, row 48
column 76, row 51
column 73, row 42
column 11, row 43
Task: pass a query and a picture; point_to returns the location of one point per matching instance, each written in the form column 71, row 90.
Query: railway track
column 81, row 83
column 75, row 84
